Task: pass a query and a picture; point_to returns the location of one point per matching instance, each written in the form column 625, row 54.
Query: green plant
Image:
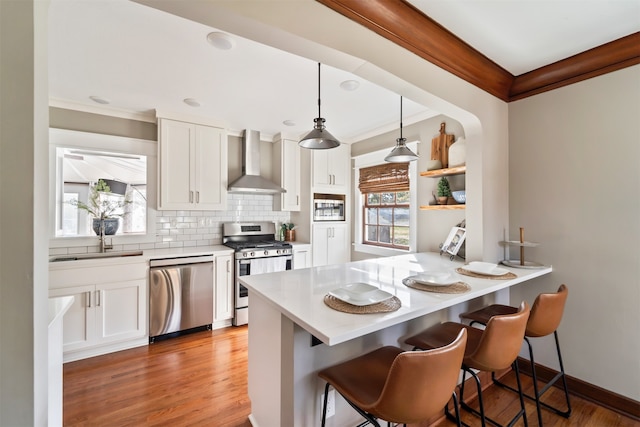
column 443, row 188
column 100, row 205
column 287, row 226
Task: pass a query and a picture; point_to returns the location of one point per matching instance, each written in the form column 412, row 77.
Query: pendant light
column 401, row 153
column 319, row 138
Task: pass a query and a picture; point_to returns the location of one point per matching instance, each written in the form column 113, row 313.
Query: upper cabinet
column 286, row 173
column 331, row 169
column 192, row 166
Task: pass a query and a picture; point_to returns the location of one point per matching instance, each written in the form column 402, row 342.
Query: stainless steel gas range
column 256, row 251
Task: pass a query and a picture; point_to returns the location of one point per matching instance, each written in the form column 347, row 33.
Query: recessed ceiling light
column 191, row 102
column 221, row 40
column 289, row 123
column 350, row 85
column 99, row 100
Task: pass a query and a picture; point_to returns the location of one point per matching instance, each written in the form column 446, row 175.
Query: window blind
column 388, row 177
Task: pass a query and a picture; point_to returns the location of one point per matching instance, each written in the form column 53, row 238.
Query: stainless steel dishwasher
column 180, row 295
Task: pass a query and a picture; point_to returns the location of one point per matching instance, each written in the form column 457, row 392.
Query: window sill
column 377, row 250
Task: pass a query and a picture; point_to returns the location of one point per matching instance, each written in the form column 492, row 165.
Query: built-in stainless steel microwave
column 328, row 210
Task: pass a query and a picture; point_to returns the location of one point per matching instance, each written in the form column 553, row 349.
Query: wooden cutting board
column 440, row 146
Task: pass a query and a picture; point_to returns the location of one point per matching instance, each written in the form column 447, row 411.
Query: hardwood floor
column 200, row 380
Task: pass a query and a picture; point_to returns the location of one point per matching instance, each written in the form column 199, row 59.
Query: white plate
column 486, row 268
column 360, row 294
column 436, row 278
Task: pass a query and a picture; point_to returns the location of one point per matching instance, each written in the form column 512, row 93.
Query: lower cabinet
column 330, row 244
column 107, row 316
column 223, row 290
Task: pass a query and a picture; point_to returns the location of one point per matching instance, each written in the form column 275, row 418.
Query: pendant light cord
column 400, row 117
column 319, row 115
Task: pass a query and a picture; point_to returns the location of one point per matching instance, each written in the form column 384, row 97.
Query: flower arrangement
column 99, row 205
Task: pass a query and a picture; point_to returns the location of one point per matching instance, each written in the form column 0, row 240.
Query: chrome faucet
column 103, row 245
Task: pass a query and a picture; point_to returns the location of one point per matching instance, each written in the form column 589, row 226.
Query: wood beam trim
column 603, row 59
column 403, row 24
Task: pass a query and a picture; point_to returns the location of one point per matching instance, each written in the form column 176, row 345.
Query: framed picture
column 455, row 239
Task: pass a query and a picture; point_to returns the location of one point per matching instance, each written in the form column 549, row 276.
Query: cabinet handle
column 190, row 196
column 228, row 266
column 297, row 200
column 87, row 298
column 98, row 298
column 197, row 197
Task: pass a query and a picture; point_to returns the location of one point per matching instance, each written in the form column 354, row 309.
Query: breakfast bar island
column 293, row 333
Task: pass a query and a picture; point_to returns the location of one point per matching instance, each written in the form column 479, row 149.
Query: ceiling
column 142, row 59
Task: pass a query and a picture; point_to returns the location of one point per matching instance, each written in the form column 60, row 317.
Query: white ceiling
column 142, row 59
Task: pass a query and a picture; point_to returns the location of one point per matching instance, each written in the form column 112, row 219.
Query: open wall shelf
column 436, row 173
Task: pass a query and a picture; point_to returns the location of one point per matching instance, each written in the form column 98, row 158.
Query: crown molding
column 403, row 24
column 104, row 111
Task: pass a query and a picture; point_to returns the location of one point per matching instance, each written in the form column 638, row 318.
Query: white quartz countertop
column 299, row 294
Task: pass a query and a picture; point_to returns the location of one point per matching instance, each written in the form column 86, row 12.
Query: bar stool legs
column 538, row 393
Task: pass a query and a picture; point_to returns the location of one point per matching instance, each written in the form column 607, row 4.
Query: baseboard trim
column 608, row 399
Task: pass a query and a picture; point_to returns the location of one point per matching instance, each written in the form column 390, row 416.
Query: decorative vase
column 458, row 153
column 290, row 236
column 110, row 226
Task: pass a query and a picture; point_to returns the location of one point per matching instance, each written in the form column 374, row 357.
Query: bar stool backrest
column 546, row 313
column 500, row 342
column 420, row 383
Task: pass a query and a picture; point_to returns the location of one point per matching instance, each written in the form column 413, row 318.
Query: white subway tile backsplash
column 176, row 229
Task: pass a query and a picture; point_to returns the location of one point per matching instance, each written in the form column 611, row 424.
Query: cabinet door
column 79, row 321
column 210, row 168
column 290, row 175
column 338, row 166
column 301, row 257
column 331, row 168
column 176, row 144
column 338, row 244
column 121, row 310
column 223, row 299
column 320, row 239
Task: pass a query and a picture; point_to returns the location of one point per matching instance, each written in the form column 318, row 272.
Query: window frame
column 373, row 159
column 112, row 143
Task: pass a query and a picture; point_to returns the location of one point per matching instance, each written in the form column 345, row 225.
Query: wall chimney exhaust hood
column 251, row 181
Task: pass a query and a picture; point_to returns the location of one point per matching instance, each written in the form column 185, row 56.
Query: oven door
column 247, row 267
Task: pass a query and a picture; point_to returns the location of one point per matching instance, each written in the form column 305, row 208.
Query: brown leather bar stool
column 398, row 386
column 544, row 319
column 493, row 349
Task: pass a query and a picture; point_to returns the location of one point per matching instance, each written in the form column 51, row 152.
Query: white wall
column 575, row 188
column 23, row 213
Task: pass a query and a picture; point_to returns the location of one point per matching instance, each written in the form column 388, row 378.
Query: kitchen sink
column 97, row 255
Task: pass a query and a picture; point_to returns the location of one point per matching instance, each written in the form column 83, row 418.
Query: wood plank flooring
column 201, row 380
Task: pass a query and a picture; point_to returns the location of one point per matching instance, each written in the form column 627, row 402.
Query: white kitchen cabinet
column 330, row 244
column 286, row 173
column 331, row 169
column 109, row 311
column 223, row 290
column 193, row 166
column 301, row 255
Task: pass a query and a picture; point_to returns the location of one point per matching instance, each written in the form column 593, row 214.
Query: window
column 386, row 207
column 77, row 161
column 385, row 213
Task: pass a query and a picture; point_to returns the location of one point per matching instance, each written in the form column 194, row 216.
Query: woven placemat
column 392, row 304
column 455, row 288
column 507, row 276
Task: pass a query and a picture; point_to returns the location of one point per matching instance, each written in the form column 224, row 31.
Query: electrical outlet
column 331, row 402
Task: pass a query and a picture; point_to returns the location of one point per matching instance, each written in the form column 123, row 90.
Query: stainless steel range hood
column 251, row 181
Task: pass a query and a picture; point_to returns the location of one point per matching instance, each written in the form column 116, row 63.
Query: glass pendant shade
column 401, row 153
column 319, row 138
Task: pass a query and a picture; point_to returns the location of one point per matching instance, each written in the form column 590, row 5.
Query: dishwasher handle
column 180, row 261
